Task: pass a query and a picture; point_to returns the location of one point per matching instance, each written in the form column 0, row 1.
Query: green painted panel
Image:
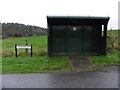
column 87, row 39
column 74, row 40
column 58, row 39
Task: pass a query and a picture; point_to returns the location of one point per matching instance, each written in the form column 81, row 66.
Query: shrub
column 112, row 42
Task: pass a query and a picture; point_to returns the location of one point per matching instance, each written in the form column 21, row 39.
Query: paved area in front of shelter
column 80, row 63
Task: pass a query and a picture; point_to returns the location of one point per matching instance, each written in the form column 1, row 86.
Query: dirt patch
column 80, row 63
column 51, row 68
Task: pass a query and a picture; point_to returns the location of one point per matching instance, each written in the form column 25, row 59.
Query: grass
column 113, row 32
column 41, row 64
column 39, row 43
column 110, row 59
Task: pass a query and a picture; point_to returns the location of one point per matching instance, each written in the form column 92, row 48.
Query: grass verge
column 111, row 59
column 41, row 64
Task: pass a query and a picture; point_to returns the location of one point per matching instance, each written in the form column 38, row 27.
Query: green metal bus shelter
column 77, row 35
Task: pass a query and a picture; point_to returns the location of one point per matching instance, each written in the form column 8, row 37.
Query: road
column 106, row 78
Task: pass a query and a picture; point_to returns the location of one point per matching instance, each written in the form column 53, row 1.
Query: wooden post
column 31, row 50
column 16, row 50
column 26, row 45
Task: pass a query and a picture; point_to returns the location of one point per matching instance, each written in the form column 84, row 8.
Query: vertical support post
column 50, row 48
column 31, row 51
column 48, row 40
column 16, row 50
column 26, row 45
column 104, row 39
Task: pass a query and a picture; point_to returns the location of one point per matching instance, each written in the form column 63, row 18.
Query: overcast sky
column 34, row 12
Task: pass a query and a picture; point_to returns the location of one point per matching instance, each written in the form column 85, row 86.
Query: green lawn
column 39, row 43
column 110, row 59
column 40, row 64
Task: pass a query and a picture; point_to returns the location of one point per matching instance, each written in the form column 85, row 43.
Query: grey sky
column 34, row 12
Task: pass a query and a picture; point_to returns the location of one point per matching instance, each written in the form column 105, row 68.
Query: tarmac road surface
column 106, row 78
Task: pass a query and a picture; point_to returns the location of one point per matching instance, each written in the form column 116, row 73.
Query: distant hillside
column 21, row 30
